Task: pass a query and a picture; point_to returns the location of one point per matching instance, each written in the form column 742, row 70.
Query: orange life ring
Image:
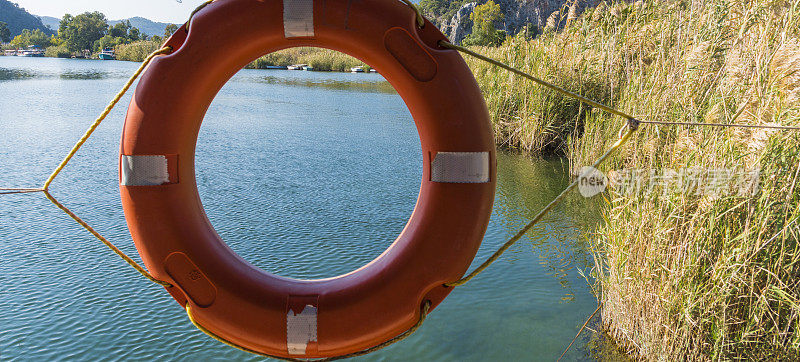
column 307, row 318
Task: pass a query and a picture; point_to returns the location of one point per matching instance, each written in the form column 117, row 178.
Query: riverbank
column 319, row 59
column 683, row 272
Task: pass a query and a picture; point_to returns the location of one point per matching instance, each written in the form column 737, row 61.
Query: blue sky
column 156, row 10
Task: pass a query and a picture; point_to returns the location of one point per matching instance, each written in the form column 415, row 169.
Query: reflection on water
column 524, row 186
column 333, row 84
column 74, row 69
column 303, row 181
column 20, row 68
column 84, row 74
column 14, row 74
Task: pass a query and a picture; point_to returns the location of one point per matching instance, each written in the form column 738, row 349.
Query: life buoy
column 307, row 318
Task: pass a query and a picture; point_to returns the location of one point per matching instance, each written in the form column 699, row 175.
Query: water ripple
column 303, row 181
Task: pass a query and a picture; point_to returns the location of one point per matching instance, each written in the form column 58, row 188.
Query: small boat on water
column 30, row 54
column 107, row 54
column 276, row 67
column 373, row 70
column 357, row 70
column 296, row 66
column 32, row 51
column 308, row 68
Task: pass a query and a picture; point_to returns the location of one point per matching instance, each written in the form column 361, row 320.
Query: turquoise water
column 304, row 174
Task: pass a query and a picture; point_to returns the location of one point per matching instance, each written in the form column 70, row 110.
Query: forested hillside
column 18, row 19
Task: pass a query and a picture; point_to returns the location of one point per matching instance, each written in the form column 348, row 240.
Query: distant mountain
column 18, row 19
column 50, row 22
column 146, row 26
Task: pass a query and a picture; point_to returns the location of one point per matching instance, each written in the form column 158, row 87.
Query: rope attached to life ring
column 631, row 125
column 425, row 308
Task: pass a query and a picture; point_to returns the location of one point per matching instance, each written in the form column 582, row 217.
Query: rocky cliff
column 539, row 14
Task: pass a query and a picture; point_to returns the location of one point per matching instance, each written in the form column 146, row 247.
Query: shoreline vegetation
column 681, row 275
column 87, row 35
column 320, row 59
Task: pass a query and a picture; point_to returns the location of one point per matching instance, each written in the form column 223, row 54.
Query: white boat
column 32, row 51
column 296, row 66
column 373, row 70
column 357, row 70
column 107, row 54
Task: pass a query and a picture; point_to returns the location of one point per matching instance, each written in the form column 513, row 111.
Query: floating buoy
column 284, row 317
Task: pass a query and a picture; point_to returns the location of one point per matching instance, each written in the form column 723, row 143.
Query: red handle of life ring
column 307, row 318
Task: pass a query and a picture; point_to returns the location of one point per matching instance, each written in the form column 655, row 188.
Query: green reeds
column 318, row 58
column 137, row 51
column 683, row 274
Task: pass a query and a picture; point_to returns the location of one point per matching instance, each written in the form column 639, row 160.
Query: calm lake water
column 304, row 174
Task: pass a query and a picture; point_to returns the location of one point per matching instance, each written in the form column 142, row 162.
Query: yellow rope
column 103, row 115
column 105, row 241
column 196, row 10
column 630, row 127
column 79, row 144
column 446, row 44
column 580, row 331
column 420, row 18
column 77, row 147
column 425, row 309
column 6, row 191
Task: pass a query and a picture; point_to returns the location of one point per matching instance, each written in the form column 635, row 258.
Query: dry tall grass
column 683, row 274
column 320, row 59
column 137, row 51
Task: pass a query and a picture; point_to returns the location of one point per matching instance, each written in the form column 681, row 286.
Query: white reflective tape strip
column 144, row 170
column 460, row 167
column 301, row 329
column 298, row 18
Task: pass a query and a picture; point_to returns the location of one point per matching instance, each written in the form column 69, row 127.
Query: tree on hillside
column 440, row 11
column 120, row 30
column 434, row 8
column 119, row 33
column 82, row 31
column 134, row 34
column 36, row 37
column 5, row 33
column 169, row 30
column 483, row 30
column 108, row 41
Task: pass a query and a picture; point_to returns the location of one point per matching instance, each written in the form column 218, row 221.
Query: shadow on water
column 298, row 188
column 561, row 241
column 15, row 74
column 332, row 84
column 84, row 75
column 529, row 185
column 600, row 345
